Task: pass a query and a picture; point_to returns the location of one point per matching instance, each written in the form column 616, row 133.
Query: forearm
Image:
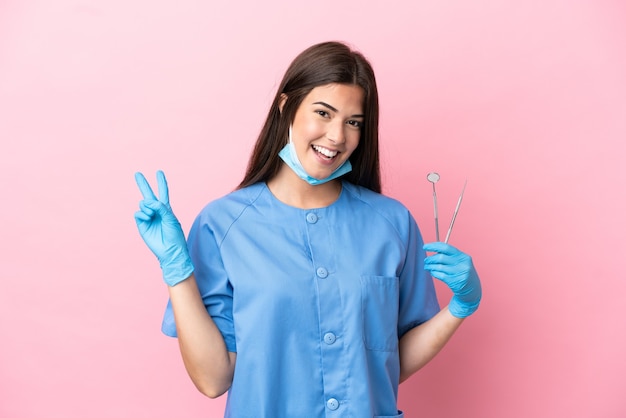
column 204, row 353
column 419, row 345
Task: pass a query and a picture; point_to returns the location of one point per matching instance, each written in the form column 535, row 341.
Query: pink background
column 527, row 100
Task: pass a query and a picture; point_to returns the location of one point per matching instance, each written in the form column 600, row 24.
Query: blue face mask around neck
column 289, row 156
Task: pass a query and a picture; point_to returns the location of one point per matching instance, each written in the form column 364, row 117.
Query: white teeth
column 326, row 152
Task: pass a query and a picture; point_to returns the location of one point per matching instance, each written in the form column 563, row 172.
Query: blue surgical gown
column 313, row 301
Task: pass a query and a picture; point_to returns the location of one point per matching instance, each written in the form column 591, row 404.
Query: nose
column 336, row 133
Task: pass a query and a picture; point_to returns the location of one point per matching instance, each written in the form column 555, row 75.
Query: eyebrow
column 335, row 110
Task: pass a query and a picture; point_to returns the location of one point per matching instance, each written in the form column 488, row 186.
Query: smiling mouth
column 325, row 152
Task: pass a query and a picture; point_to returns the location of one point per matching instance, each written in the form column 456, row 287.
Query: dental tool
column 434, row 178
column 456, row 211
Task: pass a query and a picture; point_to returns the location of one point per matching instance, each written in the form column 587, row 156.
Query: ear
column 281, row 104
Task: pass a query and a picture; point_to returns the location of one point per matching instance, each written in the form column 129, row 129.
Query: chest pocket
column 379, row 305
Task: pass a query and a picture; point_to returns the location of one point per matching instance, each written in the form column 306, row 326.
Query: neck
column 290, row 189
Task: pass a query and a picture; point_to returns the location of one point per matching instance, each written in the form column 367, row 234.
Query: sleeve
column 213, row 282
column 418, row 299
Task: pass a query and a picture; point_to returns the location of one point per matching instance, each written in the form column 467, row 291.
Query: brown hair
column 318, row 65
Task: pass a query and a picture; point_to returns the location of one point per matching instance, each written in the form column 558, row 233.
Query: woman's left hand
column 455, row 269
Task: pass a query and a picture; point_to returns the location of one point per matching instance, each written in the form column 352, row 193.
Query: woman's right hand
column 161, row 231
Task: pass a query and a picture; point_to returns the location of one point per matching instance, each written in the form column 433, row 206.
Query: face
column 327, row 127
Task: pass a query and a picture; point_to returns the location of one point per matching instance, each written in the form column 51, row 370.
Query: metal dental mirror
column 434, row 178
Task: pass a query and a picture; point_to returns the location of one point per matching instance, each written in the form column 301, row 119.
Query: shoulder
column 236, row 200
column 378, row 202
column 388, row 208
column 221, row 213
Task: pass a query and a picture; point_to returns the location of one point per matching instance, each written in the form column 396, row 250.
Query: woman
column 305, row 292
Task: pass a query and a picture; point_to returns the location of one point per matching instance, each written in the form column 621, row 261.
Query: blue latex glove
column 162, row 232
column 455, row 269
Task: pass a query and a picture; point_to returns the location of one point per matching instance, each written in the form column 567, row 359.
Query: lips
column 325, row 152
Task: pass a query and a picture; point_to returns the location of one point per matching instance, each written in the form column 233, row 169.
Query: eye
column 322, row 113
column 355, row 123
